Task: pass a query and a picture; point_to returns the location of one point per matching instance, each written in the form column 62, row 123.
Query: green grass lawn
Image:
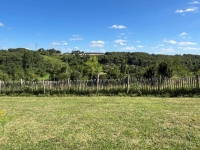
column 99, row 123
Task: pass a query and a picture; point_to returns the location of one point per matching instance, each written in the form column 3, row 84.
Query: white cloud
column 195, row 2
column 122, row 44
column 65, row 43
column 97, row 44
column 166, row 50
column 76, row 47
column 188, row 48
column 55, row 43
column 182, row 34
column 118, row 27
column 161, row 45
column 128, row 48
column 120, row 41
column 170, row 41
column 76, row 39
column 138, row 41
column 1, row 24
column 186, row 43
column 190, row 9
column 140, row 46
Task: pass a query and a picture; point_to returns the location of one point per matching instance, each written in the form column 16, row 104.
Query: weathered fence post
column 21, row 82
column 49, row 82
column 0, row 86
column 43, row 86
column 197, row 83
column 128, row 82
column 97, row 90
column 159, row 84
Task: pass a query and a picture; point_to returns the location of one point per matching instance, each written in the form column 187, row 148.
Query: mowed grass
column 99, row 123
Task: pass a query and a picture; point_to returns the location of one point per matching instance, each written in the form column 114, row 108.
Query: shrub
column 2, row 113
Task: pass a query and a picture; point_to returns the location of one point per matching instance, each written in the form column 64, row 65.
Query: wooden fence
column 127, row 85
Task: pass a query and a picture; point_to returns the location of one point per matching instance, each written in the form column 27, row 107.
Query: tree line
column 51, row 64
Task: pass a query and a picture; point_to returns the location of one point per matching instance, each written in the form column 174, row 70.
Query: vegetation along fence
column 137, row 86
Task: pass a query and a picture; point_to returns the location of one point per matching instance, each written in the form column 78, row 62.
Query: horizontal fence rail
column 189, row 85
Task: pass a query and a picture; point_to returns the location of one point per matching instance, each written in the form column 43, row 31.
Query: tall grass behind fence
column 139, row 86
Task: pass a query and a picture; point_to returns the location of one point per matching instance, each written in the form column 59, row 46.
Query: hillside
column 20, row 63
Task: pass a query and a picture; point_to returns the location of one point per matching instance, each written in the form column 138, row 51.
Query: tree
column 113, row 73
column 165, row 68
column 60, row 72
column 76, row 75
column 3, row 76
column 123, row 67
column 63, row 76
column 150, row 72
column 92, row 66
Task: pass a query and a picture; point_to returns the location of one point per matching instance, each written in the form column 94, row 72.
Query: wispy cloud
column 59, row 43
column 65, row 43
column 1, row 24
column 122, row 44
column 120, row 41
column 182, row 34
column 118, row 27
column 170, row 41
column 195, row 2
column 97, row 44
column 190, row 9
column 56, row 43
column 76, row 38
column 186, row 43
column 128, row 48
column 166, row 50
column 140, row 46
column 189, row 48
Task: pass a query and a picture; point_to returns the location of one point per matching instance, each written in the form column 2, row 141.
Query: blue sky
column 152, row 26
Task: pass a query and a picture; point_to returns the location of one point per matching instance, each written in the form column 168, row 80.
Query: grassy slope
column 100, row 123
column 53, row 60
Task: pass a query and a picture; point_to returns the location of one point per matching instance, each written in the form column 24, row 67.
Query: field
column 99, row 123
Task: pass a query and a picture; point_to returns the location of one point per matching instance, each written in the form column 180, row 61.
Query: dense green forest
column 51, row 64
